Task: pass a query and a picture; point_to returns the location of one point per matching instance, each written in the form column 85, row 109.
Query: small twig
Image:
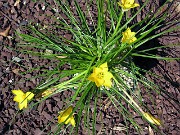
column 9, row 17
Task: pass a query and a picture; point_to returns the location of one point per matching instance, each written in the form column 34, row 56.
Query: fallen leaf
column 17, row 2
column 150, row 131
column 6, row 32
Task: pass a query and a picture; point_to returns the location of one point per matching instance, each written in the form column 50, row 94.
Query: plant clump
column 100, row 58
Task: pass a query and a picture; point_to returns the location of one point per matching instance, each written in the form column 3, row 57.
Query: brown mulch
column 13, row 75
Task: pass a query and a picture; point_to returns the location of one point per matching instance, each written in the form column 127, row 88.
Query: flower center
column 100, row 75
column 24, row 96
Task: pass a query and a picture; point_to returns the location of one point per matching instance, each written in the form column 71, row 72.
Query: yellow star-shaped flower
column 64, row 115
column 101, row 76
column 128, row 36
column 22, row 98
column 127, row 4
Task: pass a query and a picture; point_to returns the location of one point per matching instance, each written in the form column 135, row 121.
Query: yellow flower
column 127, row 4
column 22, row 98
column 128, row 36
column 152, row 119
column 64, row 115
column 101, row 76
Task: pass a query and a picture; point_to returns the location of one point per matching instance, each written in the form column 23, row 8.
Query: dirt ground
column 14, row 64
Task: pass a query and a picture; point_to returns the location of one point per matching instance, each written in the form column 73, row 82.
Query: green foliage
column 93, row 44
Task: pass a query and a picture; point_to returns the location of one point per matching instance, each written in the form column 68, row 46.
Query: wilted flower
column 48, row 92
column 22, row 98
column 152, row 119
column 127, row 4
column 128, row 36
column 101, row 76
column 64, row 115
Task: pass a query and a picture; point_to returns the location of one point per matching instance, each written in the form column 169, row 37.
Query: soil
column 14, row 67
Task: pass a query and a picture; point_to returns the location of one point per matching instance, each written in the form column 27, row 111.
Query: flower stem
column 130, row 98
column 118, row 24
column 116, row 29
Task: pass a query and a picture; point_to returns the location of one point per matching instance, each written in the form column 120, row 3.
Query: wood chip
column 150, row 131
column 17, row 2
column 6, row 32
column 16, row 71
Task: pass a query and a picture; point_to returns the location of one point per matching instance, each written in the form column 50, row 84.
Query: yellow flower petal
column 73, row 123
column 97, row 70
column 133, row 39
column 22, row 104
column 130, row 1
column 104, row 65
column 128, row 36
column 108, row 83
column 99, row 82
column 61, row 118
column 122, row 1
column 108, row 77
column 18, row 99
column 152, row 119
column 19, row 95
column 18, row 92
column 64, row 115
column 127, row 4
column 91, row 78
column 135, row 5
column 68, row 110
column 29, row 95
